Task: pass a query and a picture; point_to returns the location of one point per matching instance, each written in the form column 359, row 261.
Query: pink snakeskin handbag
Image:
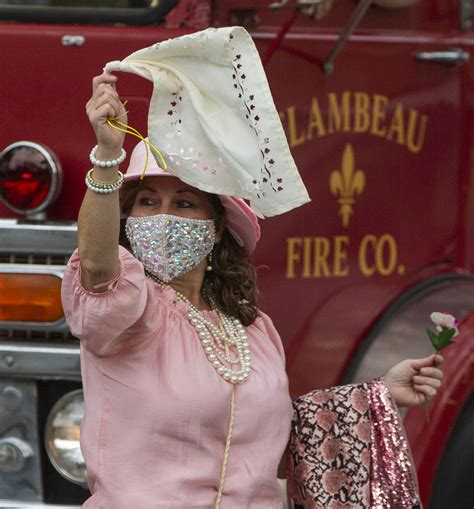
column 348, row 450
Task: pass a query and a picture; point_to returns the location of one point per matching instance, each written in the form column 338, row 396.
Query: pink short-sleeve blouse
column 156, row 411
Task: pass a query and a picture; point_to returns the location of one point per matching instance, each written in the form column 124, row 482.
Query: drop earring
column 209, row 262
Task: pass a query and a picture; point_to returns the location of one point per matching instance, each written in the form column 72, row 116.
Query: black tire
column 454, row 483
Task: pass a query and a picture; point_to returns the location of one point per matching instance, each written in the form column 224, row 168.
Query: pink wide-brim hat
column 241, row 221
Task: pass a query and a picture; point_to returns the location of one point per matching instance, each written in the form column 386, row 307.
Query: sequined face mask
column 169, row 246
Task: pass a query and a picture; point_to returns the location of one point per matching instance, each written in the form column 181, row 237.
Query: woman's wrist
column 104, row 153
column 101, row 153
column 388, row 382
column 114, row 162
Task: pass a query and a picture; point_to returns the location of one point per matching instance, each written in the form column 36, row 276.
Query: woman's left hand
column 413, row 382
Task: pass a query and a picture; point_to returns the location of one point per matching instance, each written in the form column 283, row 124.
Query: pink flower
column 445, row 321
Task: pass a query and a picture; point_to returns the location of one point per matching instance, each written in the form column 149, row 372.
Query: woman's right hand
column 105, row 103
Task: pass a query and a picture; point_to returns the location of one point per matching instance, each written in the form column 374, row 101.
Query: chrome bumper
column 12, row 504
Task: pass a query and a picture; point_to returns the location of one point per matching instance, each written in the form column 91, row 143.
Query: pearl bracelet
column 103, row 187
column 107, row 164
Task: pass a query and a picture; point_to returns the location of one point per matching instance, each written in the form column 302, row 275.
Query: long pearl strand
column 218, row 342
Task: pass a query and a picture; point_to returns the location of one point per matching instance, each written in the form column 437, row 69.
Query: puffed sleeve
column 265, row 324
column 110, row 321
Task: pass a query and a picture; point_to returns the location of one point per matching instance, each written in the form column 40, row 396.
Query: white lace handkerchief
column 213, row 117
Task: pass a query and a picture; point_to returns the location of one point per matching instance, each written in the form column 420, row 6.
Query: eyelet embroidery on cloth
column 187, row 153
column 175, row 108
column 192, row 154
column 250, row 109
column 194, row 39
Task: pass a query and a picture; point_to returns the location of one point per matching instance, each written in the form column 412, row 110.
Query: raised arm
column 99, row 216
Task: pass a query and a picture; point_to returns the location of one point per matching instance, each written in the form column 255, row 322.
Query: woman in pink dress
column 186, row 395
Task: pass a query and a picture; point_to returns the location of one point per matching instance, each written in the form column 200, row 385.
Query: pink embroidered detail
column 191, row 154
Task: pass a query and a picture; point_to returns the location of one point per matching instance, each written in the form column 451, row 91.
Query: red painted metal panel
column 401, row 119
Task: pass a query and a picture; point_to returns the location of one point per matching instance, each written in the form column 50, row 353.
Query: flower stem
column 427, row 403
column 427, row 412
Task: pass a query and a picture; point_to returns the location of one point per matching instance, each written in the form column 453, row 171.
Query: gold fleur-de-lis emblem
column 347, row 183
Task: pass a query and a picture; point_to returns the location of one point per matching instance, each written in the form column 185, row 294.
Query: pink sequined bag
column 348, row 450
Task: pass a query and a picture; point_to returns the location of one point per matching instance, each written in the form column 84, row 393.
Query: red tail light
column 30, row 177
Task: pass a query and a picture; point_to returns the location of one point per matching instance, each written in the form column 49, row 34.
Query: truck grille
column 34, row 259
column 36, row 244
column 37, row 336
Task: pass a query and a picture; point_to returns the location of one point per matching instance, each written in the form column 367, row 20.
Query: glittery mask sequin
column 169, row 246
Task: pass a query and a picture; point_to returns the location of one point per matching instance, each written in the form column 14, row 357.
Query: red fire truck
column 377, row 102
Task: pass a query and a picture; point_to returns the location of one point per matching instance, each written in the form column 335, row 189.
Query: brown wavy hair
column 233, row 279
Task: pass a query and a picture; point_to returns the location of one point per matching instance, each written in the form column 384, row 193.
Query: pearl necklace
column 218, row 342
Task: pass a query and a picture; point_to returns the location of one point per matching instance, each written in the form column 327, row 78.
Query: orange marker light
column 30, row 298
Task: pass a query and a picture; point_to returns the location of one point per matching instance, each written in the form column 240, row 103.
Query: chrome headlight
column 30, row 176
column 62, row 437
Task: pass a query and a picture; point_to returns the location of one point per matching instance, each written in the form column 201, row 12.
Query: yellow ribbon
column 120, row 126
